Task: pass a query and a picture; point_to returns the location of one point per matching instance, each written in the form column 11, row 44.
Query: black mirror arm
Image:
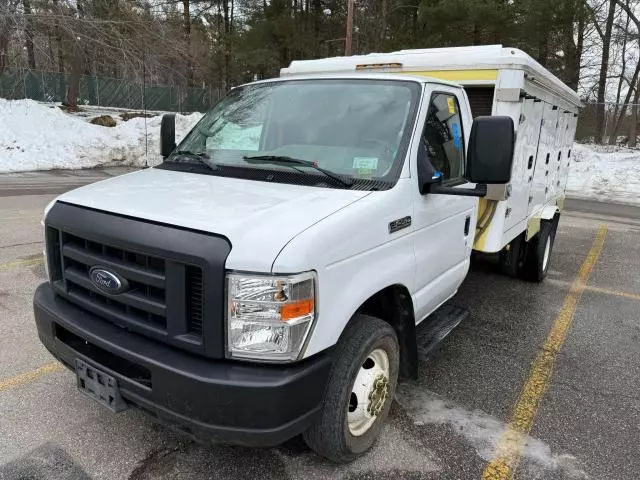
column 167, row 134
column 480, row 190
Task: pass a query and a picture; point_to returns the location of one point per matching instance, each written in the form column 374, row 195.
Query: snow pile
column 605, row 174
column 34, row 136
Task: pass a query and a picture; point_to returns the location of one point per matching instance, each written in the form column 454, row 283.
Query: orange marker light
column 290, row 311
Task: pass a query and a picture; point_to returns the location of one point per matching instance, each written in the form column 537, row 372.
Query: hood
column 258, row 218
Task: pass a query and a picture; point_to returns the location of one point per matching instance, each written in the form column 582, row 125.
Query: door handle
column 467, row 224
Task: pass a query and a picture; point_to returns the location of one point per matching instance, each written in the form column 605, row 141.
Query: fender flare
column 548, row 212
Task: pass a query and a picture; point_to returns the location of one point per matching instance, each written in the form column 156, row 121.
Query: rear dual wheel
column 530, row 260
column 360, row 391
column 538, row 253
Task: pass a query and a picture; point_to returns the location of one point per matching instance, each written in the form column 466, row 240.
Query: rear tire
column 538, row 252
column 353, row 413
column 512, row 256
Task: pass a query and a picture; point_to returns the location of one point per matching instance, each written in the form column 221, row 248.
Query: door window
column 443, row 137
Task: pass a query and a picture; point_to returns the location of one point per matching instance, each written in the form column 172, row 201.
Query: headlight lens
column 269, row 317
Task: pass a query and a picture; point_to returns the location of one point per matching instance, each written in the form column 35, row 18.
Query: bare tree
column 28, row 34
column 633, row 136
column 604, row 68
column 633, row 84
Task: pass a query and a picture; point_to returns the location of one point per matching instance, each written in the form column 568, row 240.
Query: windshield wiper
column 285, row 160
column 198, row 157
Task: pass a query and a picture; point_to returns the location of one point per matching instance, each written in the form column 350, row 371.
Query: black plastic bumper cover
column 247, row 404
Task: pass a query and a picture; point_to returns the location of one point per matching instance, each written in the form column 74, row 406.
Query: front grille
column 143, row 307
column 175, row 275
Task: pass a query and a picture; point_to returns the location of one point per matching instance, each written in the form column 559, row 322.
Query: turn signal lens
column 291, row 311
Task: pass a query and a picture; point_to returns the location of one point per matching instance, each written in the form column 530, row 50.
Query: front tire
column 359, row 393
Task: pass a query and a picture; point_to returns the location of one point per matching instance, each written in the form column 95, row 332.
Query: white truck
column 267, row 278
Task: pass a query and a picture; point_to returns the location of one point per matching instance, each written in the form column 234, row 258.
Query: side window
column 443, row 136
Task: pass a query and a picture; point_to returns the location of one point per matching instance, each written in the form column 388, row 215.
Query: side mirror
column 167, row 134
column 490, row 154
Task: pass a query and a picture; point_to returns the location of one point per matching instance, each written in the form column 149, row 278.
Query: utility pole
column 349, row 37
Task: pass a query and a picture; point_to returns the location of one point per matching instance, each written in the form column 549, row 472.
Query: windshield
column 355, row 129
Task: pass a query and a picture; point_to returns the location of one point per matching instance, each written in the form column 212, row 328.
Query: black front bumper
column 248, row 404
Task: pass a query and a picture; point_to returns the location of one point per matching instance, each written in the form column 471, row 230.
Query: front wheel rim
column 547, row 251
column 369, row 392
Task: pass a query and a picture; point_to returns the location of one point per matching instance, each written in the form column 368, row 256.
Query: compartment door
column 527, row 134
column 558, row 156
column 546, row 146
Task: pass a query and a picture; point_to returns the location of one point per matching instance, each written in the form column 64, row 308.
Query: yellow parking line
column 605, row 291
column 20, row 263
column 507, row 455
column 617, row 293
column 30, row 376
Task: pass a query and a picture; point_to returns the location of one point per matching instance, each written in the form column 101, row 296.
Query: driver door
column 444, row 223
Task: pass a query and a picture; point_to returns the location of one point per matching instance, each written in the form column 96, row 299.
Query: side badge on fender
column 399, row 224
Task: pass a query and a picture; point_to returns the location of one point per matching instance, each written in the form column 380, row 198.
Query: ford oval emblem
column 107, row 280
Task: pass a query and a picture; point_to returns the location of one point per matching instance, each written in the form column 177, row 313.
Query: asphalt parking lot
column 558, row 363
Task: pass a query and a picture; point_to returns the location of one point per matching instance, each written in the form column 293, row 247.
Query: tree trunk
column 58, row 37
column 634, row 118
column 4, row 36
column 348, row 46
column 186, row 19
column 383, row 26
column 4, row 49
column 543, row 49
column 602, row 79
column 623, row 68
column 226, row 43
column 573, row 14
column 477, row 38
column 316, row 7
column 28, row 35
column 71, row 100
column 580, row 43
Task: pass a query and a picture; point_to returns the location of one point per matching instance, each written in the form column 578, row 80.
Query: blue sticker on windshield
column 457, row 139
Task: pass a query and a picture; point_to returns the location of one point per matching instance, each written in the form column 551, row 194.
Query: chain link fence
column 118, row 93
column 107, row 92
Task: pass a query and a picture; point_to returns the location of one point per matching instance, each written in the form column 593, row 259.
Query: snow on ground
column 605, row 174
column 36, row 136
column 482, row 431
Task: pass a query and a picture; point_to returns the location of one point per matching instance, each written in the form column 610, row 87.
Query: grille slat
column 129, row 270
column 118, row 312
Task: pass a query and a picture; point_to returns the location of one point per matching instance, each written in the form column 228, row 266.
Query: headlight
column 269, row 317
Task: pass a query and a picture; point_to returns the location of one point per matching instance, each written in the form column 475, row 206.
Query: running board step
column 433, row 329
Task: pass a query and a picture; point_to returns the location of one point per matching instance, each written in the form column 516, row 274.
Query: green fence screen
column 106, row 92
